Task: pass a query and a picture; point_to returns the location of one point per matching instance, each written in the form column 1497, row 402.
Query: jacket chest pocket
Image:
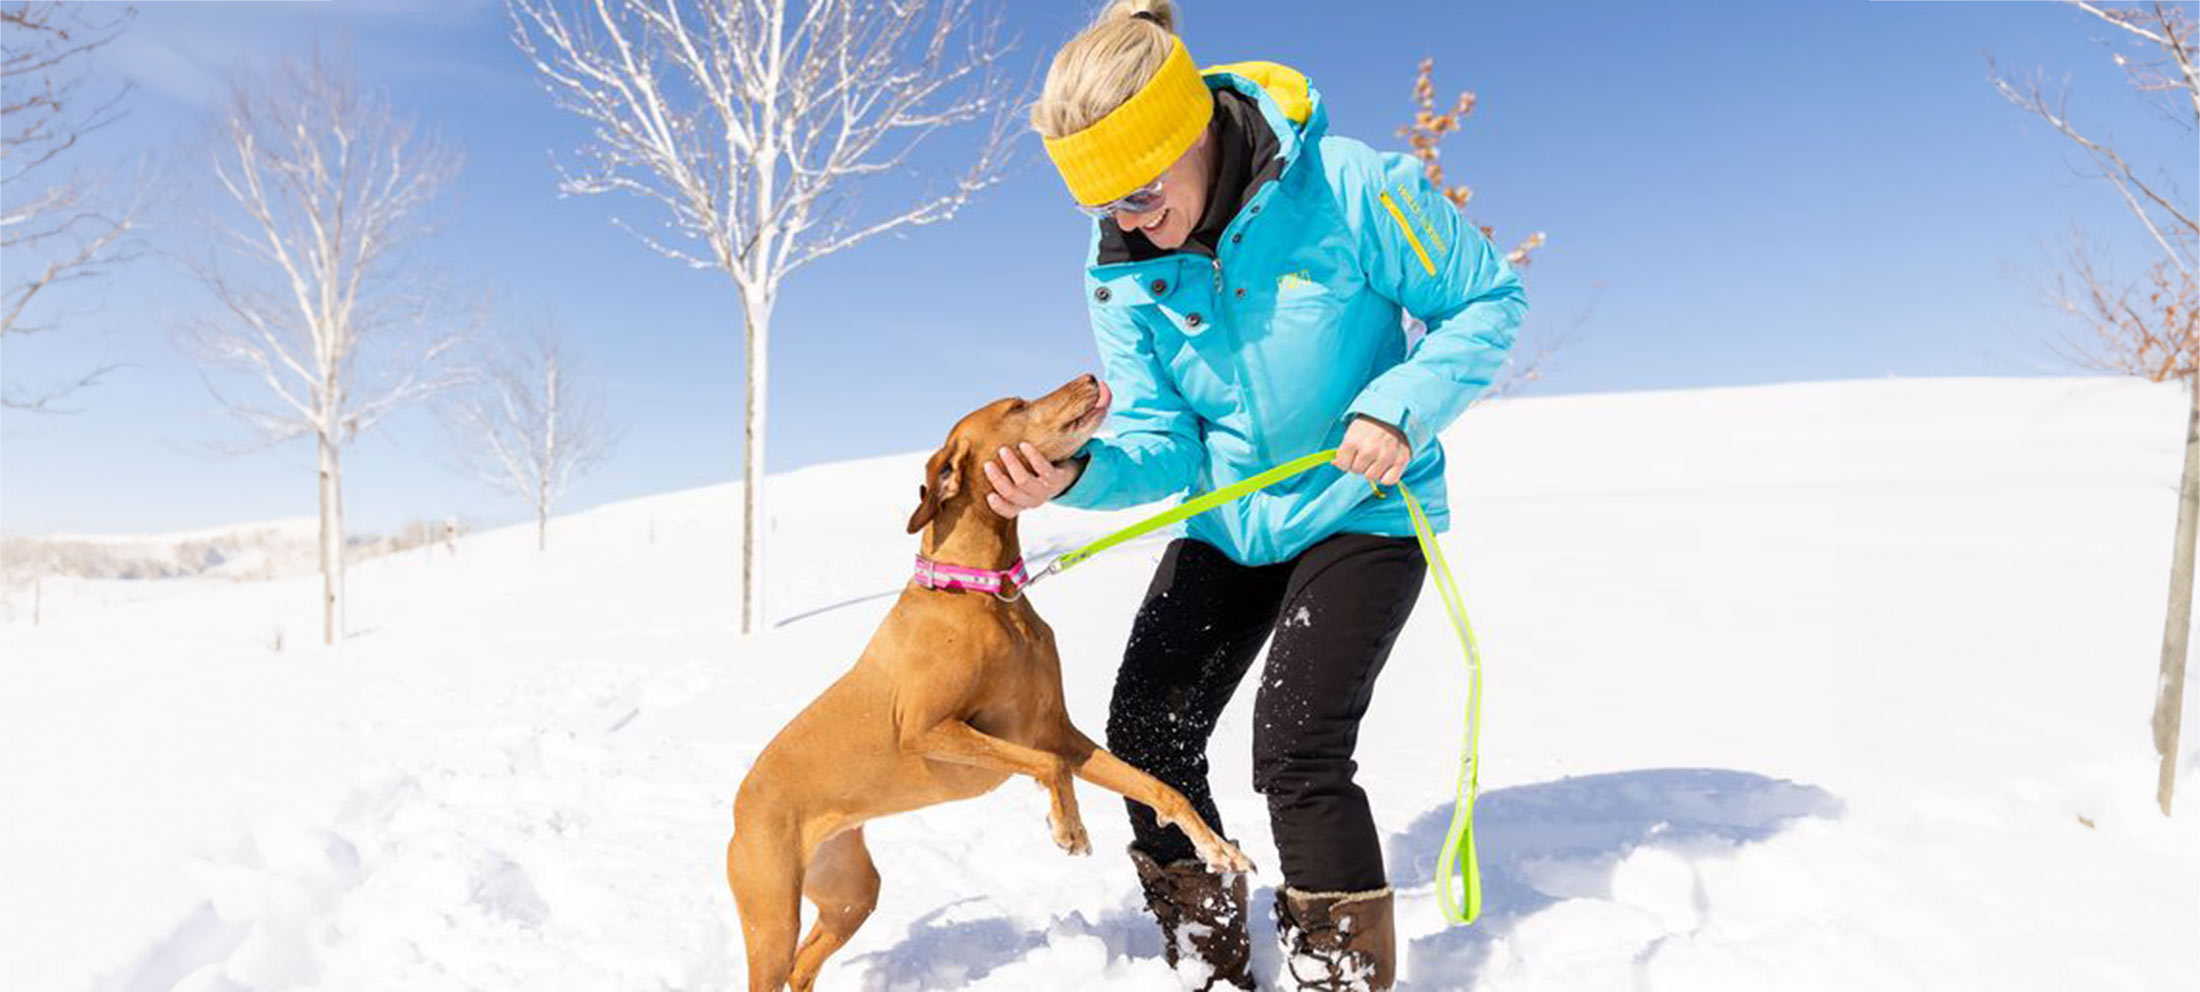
column 1310, row 287
column 1308, row 311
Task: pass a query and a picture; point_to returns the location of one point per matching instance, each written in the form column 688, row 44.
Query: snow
column 1820, row 686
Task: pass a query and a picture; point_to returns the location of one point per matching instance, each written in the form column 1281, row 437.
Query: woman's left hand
column 1374, row 449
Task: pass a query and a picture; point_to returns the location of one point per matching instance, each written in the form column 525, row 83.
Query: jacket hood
column 1264, row 113
column 1286, row 98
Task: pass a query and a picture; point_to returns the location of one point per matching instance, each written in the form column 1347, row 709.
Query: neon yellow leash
column 1458, row 868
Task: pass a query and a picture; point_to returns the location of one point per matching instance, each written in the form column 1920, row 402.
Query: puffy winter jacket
column 1225, row 364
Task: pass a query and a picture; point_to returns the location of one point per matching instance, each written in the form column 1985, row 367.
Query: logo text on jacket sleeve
column 1429, row 229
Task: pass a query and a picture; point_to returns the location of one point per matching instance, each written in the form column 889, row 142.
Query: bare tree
column 530, row 426
column 2149, row 327
column 1424, row 139
column 56, row 228
column 1528, row 366
column 319, row 298
column 751, row 124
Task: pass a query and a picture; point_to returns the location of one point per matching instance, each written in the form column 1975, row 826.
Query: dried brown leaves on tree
column 2147, row 327
column 1424, row 140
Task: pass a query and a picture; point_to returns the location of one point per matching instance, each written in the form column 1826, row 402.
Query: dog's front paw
column 1223, row 857
column 1069, row 834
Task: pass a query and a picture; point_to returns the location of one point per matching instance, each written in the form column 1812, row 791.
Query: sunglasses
column 1144, row 199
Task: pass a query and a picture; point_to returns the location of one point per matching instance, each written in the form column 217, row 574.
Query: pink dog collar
column 935, row 575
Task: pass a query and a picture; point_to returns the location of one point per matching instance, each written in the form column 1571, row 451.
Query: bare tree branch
column 47, row 398
column 1529, row 366
column 56, row 230
column 754, row 126
column 2168, row 222
column 44, row 50
column 2170, row 31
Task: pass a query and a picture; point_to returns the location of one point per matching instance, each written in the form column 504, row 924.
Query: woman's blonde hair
column 1105, row 65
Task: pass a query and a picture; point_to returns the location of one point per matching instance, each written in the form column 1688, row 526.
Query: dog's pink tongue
column 1106, row 396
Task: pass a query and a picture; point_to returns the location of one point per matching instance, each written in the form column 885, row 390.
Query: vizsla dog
column 957, row 691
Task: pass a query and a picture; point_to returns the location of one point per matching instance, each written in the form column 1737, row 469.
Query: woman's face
column 1183, row 200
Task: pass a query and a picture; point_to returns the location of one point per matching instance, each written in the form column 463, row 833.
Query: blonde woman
column 1246, row 280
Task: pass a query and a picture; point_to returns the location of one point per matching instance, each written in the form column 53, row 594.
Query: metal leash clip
column 1010, row 597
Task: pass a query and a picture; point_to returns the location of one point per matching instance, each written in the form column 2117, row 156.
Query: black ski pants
column 1333, row 613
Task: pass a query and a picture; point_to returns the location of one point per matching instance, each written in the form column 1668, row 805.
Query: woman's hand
column 1027, row 481
column 1374, row 449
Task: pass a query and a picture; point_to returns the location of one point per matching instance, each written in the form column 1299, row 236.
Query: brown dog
column 958, row 690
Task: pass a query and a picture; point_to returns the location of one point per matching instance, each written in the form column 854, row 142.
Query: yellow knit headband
column 1139, row 140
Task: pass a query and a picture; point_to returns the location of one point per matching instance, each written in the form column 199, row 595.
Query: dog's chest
column 1019, row 695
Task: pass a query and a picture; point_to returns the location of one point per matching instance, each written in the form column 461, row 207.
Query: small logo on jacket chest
column 1296, row 282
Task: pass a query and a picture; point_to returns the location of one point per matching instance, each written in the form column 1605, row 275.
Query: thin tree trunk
column 336, row 489
column 2169, row 695
column 757, row 313
column 332, row 544
column 549, row 459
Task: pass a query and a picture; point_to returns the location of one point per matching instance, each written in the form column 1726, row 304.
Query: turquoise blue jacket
column 1223, row 366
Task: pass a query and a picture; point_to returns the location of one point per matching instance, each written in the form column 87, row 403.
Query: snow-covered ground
column 1822, row 686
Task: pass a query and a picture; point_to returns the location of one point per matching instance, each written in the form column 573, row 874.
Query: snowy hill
column 248, row 551
column 50, row 574
column 1822, row 686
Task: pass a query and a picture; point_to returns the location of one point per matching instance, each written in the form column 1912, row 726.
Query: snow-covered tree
column 749, row 125
column 320, row 300
column 530, row 425
column 2148, row 327
column 56, row 227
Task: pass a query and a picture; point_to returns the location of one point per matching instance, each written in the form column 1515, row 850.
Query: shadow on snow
column 1552, row 841
column 1540, row 844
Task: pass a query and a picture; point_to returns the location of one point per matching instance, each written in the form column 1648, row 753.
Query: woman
column 1246, row 281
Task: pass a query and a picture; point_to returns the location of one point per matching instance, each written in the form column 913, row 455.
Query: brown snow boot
column 1337, row 941
column 1202, row 917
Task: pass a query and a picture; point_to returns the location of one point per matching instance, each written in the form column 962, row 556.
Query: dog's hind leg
column 842, row 882
column 764, row 867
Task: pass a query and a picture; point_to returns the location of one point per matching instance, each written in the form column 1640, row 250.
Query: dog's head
column 1057, row 424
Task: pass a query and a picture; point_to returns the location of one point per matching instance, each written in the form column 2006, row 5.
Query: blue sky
column 1735, row 193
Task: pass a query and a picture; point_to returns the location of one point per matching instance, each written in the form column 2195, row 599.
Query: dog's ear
column 942, row 480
